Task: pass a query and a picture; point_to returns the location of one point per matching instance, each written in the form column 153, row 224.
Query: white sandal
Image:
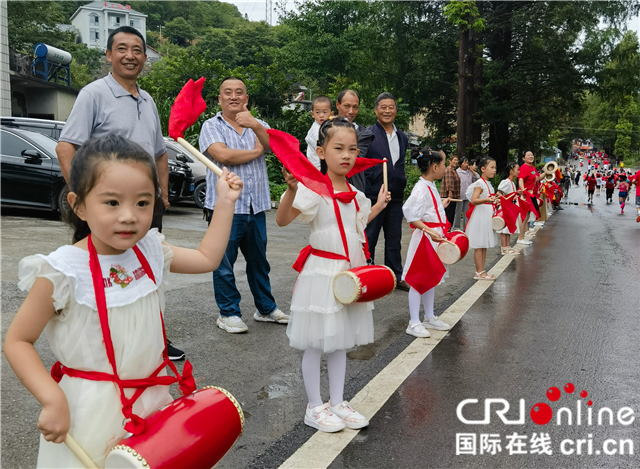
column 478, row 276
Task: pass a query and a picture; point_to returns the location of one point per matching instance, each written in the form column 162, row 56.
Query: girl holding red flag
column 99, row 303
column 423, row 270
column 506, row 187
column 318, row 322
column 479, row 230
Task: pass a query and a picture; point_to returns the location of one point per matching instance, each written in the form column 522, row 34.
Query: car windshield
column 46, row 143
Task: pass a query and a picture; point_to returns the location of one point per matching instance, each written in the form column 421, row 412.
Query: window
column 94, row 35
column 12, row 145
column 95, row 20
column 134, row 23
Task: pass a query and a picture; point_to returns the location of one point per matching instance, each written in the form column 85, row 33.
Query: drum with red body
column 497, row 222
column 455, row 249
column 363, row 284
column 192, row 432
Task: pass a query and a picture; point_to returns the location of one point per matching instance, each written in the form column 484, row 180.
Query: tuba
column 549, row 171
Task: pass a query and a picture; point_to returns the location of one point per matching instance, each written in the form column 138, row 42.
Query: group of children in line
column 114, row 193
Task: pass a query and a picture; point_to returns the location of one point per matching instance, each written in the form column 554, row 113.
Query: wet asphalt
column 564, row 311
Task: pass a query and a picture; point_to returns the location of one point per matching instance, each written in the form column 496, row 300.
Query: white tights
column 336, row 368
column 414, row 304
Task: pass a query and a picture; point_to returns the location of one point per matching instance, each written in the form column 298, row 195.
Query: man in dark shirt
column 451, row 187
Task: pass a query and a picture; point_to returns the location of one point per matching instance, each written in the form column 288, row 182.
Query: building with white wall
column 96, row 20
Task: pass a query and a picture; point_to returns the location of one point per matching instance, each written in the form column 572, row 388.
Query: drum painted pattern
column 192, row 432
column 364, row 284
column 449, row 254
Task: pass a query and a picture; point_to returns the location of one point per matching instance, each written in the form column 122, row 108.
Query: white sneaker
column 436, row 323
column 524, row 241
column 539, row 223
column 231, row 324
column 350, row 417
column 418, row 330
column 275, row 316
column 323, row 419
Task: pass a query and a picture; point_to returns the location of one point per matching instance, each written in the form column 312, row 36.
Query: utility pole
column 269, row 12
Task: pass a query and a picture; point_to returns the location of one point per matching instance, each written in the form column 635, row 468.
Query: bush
column 277, row 190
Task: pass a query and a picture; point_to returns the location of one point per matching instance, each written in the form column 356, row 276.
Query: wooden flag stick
column 79, row 453
column 384, row 175
column 199, row 156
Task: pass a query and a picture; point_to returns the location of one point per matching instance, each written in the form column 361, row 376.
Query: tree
column 179, row 31
column 217, row 44
column 32, row 22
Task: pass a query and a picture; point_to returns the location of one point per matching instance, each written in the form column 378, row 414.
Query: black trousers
column 450, row 211
column 390, row 220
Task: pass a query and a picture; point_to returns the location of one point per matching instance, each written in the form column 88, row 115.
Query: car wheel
column 199, row 194
column 63, row 205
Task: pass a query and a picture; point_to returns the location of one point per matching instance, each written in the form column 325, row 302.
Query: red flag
column 426, row 269
column 287, row 148
column 186, row 108
column 363, row 164
column 510, row 212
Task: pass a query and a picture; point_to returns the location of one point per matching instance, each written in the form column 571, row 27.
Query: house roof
column 99, row 6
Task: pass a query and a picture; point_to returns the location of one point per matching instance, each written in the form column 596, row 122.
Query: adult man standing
column 234, row 138
column 115, row 105
column 451, row 188
column 348, row 104
column 389, row 143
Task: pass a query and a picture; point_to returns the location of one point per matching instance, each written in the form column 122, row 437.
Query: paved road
column 259, row 367
column 565, row 311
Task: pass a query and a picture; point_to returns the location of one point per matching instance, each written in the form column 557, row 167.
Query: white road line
column 322, row 448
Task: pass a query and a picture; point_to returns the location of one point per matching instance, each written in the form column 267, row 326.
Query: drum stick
column 384, row 175
column 206, row 161
column 79, row 453
column 455, row 200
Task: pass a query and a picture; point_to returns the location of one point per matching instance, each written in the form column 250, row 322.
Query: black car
column 181, row 180
column 30, row 170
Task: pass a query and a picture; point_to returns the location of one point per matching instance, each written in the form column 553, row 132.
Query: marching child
column 425, row 211
column 590, row 185
column 321, row 111
column 114, row 192
column 507, row 187
column 479, row 230
column 610, row 187
column 623, row 191
column 319, row 323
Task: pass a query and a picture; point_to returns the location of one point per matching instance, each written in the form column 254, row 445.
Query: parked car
column 181, row 184
column 176, row 152
column 30, row 171
column 43, row 126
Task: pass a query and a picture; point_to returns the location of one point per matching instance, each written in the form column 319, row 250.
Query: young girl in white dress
column 506, row 187
column 114, row 191
column 425, row 211
column 478, row 229
column 318, row 322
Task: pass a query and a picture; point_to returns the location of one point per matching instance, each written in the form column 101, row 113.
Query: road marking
column 321, row 449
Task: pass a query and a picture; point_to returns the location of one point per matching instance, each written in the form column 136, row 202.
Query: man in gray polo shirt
column 115, row 105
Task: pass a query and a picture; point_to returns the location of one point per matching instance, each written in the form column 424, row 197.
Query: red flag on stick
column 426, row 269
column 510, row 212
column 186, row 108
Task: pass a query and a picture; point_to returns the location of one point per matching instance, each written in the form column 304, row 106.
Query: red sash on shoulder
column 135, row 424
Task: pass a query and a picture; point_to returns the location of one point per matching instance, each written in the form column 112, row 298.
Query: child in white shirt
column 321, row 111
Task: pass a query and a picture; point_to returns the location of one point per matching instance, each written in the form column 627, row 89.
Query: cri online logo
column 541, row 413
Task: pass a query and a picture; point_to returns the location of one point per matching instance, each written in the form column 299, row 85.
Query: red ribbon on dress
column 473, row 207
column 135, row 424
column 344, row 197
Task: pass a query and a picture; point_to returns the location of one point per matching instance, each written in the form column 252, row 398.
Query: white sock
column 311, row 375
column 428, row 299
column 336, row 368
column 414, row 306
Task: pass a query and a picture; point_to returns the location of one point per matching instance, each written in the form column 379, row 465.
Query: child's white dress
column 507, row 187
column 75, row 337
column 419, row 206
column 479, row 230
column 317, row 319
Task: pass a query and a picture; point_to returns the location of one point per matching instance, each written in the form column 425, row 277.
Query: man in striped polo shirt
column 235, row 139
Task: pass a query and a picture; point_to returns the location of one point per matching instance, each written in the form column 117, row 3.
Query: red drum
column 497, row 222
column 363, row 284
column 452, row 253
column 192, row 432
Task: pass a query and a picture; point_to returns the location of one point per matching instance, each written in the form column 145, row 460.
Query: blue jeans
column 249, row 233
